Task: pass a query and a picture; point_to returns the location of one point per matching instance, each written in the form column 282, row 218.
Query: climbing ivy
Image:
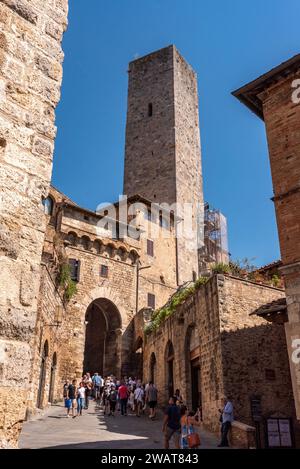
column 160, row 315
column 66, row 283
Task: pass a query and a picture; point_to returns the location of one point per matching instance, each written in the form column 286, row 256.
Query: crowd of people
column 131, row 395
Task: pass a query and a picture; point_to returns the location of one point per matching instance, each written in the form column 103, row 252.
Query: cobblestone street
column 95, row 431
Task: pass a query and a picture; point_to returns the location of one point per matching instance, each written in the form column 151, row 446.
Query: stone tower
column 163, row 155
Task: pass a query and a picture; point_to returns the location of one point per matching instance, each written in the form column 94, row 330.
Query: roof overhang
column 249, row 94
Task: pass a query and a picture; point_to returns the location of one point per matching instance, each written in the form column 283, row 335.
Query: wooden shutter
column 151, row 300
column 150, row 247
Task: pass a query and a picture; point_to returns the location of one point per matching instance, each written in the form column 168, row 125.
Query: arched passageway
column 138, row 358
column 103, row 336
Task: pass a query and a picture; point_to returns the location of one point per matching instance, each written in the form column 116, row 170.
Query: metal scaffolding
column 215, row 248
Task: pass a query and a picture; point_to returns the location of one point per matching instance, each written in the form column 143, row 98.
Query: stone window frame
column 74, row 269
column 150, row 247
column 104, row 271
column 151, row 300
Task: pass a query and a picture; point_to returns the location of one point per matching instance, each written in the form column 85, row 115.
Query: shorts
column 172, row 432
column 68, row 403
column 152, row 404
column 112, row 406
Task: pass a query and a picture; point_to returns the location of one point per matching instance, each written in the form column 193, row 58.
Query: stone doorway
column 103, row 336
column 196, row 385
column 153, row 368
column 52, row 378
column 170, row 368
column 42, row 380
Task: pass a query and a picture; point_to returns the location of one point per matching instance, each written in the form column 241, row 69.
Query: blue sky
column 228, row 43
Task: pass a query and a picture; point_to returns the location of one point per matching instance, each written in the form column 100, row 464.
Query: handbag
column 193, row 438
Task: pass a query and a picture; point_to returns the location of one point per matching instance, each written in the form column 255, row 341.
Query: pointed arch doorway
column 103, row 336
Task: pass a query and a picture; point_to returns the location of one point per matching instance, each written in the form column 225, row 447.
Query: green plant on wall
column 275, row 280
column 66, row 282
column 160, row 315
column 221, row 268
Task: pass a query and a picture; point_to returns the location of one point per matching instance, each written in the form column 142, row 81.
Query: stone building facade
column 30, row 79
column 213, row 346
column 274, row 97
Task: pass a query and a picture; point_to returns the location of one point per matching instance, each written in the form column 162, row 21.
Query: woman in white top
column 80, row 398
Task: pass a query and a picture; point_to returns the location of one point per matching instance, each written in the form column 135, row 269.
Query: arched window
column 150, row 110
column 48, row 204
column 72, row 238
column 85, row 242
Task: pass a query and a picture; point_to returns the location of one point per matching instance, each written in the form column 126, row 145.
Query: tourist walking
column 226, row 420
column 138, row 400
column 112, row 401
column 72, row 396
column 171, row 425
column 80, row 398
column 151, row 399
column 189, row 437
column 123, row 394
column 67, row 401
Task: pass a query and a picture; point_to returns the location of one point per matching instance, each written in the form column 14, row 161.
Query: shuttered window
column 74, row 269
column 151, row 300
column 104, row 271
column 150, row 247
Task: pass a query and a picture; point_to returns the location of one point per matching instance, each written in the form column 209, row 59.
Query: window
column 194, row 276
column 151, row 300
column 163, row 222
column 150, row 110
column 150, row 247
column 74, row 265
column 148, row 215
column 48, row 206
column 104, row 271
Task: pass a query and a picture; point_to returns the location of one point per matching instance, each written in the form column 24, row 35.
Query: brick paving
column 95, row 431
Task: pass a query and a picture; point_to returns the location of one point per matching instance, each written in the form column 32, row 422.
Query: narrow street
column 93, row 430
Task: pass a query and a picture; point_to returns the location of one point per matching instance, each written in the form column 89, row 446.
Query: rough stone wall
column 282, row 116
column 51, row 321
column 162, row 155
column 149, row 151
column 235, row 350
column 252, row 347
column 30, row 79
column 200, row 311
column 188, row 163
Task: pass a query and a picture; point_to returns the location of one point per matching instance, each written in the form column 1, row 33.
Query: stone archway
column 138, row 351
column 103, row 338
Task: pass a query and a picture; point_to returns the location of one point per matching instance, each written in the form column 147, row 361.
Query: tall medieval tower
column 163, row 155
